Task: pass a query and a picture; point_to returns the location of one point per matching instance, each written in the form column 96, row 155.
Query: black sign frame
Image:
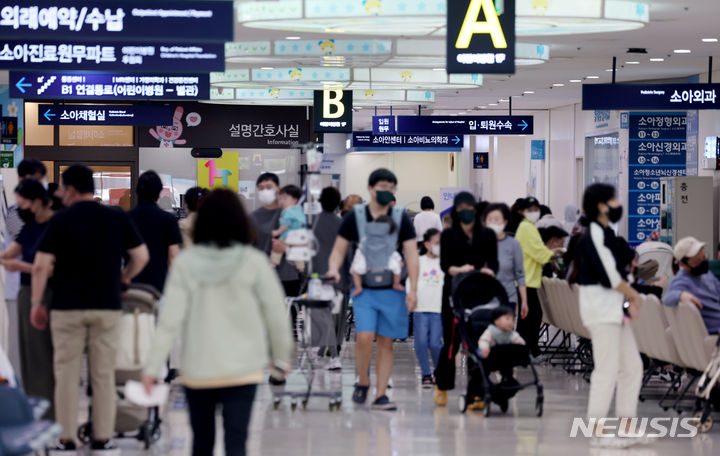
column 330, row 124
column 480, row 54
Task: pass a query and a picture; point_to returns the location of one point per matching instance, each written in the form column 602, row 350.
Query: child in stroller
column 476, row 299
column 501, row 332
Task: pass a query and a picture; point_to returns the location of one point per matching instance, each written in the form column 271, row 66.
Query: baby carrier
column 377, row 244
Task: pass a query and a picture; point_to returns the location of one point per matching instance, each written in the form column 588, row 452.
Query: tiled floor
column 418, row 427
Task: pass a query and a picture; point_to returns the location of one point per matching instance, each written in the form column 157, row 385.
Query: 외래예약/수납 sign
column 124, row 20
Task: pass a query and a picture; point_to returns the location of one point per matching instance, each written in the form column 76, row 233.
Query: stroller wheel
column 85, row 433
column 293, row 405
column 539, row 405
column 146, row 432
column 462, row 403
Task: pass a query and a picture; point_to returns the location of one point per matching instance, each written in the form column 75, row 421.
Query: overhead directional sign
column 124, row 20
column 465, row 125
column 650, row 96
column 481, row 36
column 363, row 139
column 105, row 115
column 333, row 111
column 108, row 86
column 383, row 125
column 141, row 57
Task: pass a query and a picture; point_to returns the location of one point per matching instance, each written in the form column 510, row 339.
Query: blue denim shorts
column 382, row 312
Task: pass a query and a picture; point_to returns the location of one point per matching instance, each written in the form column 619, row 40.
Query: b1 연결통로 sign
column 124, row 20
column 108, row 86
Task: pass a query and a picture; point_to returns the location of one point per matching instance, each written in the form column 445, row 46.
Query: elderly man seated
column 694, row 283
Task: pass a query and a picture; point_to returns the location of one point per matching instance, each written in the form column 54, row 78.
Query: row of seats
column 666, row 335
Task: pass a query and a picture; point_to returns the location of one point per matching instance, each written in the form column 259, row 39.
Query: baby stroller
column 137, row 327
column 474, row 296
column 708, row 392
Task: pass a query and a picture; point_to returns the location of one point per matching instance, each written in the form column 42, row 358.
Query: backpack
column 377, row 244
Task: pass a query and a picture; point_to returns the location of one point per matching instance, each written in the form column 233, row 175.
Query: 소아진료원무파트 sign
column 108, row 86
column 657, row 149
column 101, row 55
column 123, row 20
column 480, row 36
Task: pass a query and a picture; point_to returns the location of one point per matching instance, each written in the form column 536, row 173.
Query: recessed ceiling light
column 632, row 63
column 558, row 84
column 609, row 69
column 292, row 37
column 576, row 80
column 682, row 51
column 483, row 107
column 709, row 40
column 528, row 92
column 592, row 77
column 657, row 59
column 492, row 104
column 438, row 69
column 504, row 100
column 267, row 68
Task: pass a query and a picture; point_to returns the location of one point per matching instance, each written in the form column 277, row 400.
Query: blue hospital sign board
column 481, row 36
column 384, row 125
column 650, row 96
column 108, row 86
column 113, row 56
column 657, row 150
column 363, row 139
column 465, row 125
column 125, row 20
column 146, row 115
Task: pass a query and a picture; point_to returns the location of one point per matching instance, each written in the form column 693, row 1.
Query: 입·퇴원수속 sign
column 480, row 36
column 465, row 125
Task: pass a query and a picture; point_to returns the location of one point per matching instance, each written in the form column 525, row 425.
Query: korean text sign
column 108, row 86
column 125, row 20
column 651, row 96
column 657, row 149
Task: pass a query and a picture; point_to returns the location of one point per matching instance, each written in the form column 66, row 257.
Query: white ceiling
column 673, row 25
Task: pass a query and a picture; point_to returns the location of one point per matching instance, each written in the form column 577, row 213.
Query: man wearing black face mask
column 16, row 219
column 694, row 283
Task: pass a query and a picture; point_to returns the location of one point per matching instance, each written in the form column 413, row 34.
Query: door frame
column 134, row 173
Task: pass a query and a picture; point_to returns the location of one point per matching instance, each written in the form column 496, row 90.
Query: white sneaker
column 334, row 364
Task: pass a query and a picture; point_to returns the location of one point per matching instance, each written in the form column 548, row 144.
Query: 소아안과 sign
column 108, row 86
column 125, row 20
column 480, row 36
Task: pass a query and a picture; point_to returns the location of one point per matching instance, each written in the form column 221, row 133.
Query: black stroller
column 474, row 296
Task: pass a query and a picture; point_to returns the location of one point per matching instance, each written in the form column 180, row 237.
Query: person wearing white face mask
column 427, row 320
column 265, row 219
column 535, row 255
column 511, row 272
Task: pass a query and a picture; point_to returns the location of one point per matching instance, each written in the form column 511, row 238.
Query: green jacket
column 228, row 304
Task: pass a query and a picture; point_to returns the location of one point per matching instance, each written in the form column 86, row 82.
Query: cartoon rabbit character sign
column 169, row 136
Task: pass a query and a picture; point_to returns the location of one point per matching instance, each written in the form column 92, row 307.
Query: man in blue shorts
column 381, row 312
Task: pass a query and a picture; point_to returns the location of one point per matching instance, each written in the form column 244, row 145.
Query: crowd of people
column 224, row 273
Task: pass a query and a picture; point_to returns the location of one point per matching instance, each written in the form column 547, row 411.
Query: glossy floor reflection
column 418, row 428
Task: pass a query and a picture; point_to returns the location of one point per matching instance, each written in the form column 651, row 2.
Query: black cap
column 531, row 201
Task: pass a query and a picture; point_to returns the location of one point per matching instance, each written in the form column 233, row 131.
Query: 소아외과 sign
column 480, row 36
column 650, row 96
